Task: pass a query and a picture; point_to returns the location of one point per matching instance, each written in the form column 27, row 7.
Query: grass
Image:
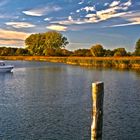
column 117, row 62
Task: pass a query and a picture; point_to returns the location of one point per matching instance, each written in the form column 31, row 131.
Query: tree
column 55, row 40
column 97, row 50
column 7, row 51
column 82, row 52
column 108, row 53
column 120, row 52
column 49, row 52
column 38, row 44
column 21, row 51
column 137, row 48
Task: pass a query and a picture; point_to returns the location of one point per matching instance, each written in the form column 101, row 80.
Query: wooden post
column 97, row 113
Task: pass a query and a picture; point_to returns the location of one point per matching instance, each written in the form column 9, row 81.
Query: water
column 49, row 101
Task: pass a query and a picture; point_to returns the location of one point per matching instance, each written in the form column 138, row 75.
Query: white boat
column 5, row 68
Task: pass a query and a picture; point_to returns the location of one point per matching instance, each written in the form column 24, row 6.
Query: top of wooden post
column 97, row 83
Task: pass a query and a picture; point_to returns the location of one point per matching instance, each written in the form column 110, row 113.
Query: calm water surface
column 49, row 101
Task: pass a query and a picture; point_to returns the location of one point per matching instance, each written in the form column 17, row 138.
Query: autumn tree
column 120, row 52
column 7, row 51
column 97, row 50
column 108, row 53
column 82, row 52
column 22, row 51
column 39, row 44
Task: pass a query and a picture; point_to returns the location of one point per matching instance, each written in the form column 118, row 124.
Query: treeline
column 53, row 43
column 9, row 51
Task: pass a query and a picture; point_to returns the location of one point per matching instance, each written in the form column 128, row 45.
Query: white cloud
column 111, row 12
column 90, row 8
column 87, row 9
column 90, row 15
column 106, row 4
column 20, row 24
column 132, row 19
column 42, row 11
column 48, row 19
column 78, row 10
column 115, row 9
column 127, row 24
column 105, row 14
column 57, row 27
column 70, row 18
column 114, row 3
column 33, row 13
column 128, row 3
column 69, row 22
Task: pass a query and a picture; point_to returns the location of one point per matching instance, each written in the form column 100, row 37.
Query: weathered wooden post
column 97, row 113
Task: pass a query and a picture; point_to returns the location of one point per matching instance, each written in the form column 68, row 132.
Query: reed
column 110, row 62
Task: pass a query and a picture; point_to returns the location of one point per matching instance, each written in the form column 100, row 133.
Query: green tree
column 5, row 51
column 21, row 51
column 55, row 40
column 49, row 52
column 38, row 44
column 97, row 50
column 82, row 52
column 120, row 52
column 137, row 48
column 108, row 53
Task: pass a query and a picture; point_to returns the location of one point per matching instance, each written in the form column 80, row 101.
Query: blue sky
column 112, row 23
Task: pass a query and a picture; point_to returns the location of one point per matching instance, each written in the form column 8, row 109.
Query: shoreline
column 104, row 62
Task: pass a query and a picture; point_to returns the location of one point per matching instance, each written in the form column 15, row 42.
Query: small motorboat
column 5, row 68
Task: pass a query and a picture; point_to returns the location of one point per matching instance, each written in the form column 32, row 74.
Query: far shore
column 110, row 62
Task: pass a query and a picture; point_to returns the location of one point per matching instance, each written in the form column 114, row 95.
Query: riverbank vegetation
column 50, row 46
column 107, row 62
column 53, row 43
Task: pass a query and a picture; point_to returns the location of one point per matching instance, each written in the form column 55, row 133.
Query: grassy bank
column 117, row 62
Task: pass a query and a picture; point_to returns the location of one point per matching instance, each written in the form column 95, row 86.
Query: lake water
column 49, row 101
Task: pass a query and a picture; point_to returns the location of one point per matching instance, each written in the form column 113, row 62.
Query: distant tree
column 97, row 50
column 108, row 53
column 40, row 44
column 66, row 52
column 137, row 48
column 82, row 52
column 22, row 51
column 62, row 52
column 7, row 51
column 57, row 52
column 129, row 53
column 120, row 52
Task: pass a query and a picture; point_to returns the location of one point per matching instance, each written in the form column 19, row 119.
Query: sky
column 112, row 23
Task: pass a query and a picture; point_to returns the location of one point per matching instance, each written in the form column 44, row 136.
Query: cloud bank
column 113, row 10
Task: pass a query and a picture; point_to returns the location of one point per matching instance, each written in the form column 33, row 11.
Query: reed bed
column 117, row 62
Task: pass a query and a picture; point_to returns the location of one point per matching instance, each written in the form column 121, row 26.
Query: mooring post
column 97, row 110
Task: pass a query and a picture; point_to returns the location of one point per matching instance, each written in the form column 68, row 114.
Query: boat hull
column 6, row 68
